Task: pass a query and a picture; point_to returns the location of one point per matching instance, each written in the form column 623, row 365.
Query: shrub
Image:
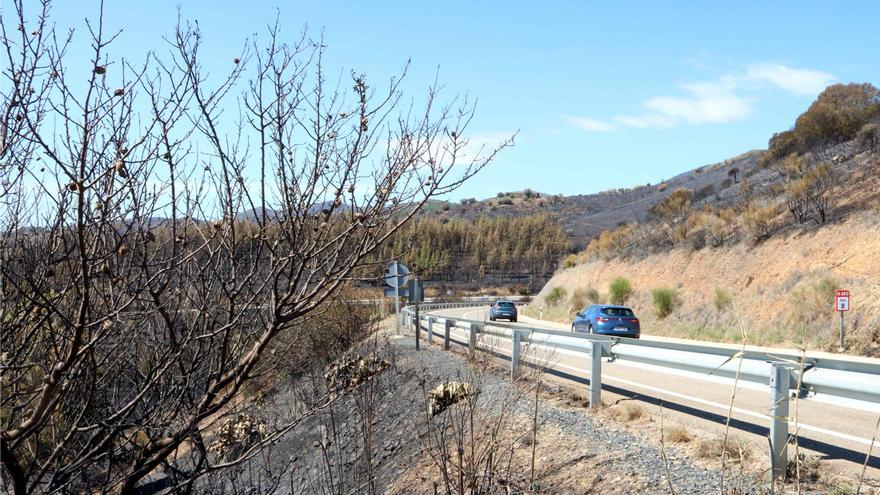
column 505, row 201
column 719, row 226
column 619, row 290
column 627, row 411
column 555, row 295
column 837, row 115
column 665, row 300
column 445, row 207
column 592, row 295
column 577, row 301
column 704, row 192
column 736, row 448
column 677, row 434
column 808, row 300
column 611, row 243
column 722, row 299
column 674, row 207
column 500, row 195
column 869, row 135
column 570, row 261
column 758, row 221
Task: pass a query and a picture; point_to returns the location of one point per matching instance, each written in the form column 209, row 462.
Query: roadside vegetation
column 170, row 253
column 665, row 301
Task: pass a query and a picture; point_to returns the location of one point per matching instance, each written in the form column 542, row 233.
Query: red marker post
column 841, row 304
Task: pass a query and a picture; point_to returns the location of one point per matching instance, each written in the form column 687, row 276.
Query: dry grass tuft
column 627, row 411
column 737, row 449
column 809, row 467
column 578, row 399
column 677, row 434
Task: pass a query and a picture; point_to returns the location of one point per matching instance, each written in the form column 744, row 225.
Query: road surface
column 836, row 429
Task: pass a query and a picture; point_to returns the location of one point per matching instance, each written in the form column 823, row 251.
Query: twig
column 663, row 453
column 534, row 438
column 868, row 457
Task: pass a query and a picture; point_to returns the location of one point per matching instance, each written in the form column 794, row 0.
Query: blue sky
column 604, row 95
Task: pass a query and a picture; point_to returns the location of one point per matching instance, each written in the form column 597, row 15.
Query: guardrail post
column 472, row 341
column 431, row 320
column 515, row 355
column 780, row 379
column 418, row 321
column 447, row 324
column 595, row 375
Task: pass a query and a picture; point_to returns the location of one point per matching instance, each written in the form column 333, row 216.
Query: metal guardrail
column 780, row 371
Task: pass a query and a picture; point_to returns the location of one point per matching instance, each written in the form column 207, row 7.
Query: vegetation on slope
column 806, row 173
column 522, row 250
column 802, row 223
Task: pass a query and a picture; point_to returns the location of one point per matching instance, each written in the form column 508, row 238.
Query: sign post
column 841, row 303
column 416, row 294
column 395, row 277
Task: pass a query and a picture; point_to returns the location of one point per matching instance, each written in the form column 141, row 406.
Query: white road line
column 716, row 405
column 724, row 407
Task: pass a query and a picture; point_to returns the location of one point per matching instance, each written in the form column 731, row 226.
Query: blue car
column 504, row 310
column 603, row 319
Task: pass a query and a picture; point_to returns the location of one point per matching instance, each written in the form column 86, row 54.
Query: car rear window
column 617, row 311
column 504, row 304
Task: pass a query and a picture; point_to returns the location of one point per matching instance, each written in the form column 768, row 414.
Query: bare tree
column 732, row 173
column 167, row 236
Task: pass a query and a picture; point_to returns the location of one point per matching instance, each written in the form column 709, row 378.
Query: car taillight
column 602, row 320
column 634, row 320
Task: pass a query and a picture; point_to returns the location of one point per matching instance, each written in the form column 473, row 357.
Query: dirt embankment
column 782, row 288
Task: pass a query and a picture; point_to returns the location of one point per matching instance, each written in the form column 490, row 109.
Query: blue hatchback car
column 505, row 310
column 604, row 319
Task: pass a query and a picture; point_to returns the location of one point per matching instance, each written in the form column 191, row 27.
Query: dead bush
column 352, row 371
column 577, row 301
column 627, row 411
column 578, row 399
column 237, row 434
column 447, row 394
column 677, row 434
column 570, row 261
column 719, row 225
column 809, row 299
column 758, row 221
column 804, row 468
column 612, row 243
column 869, row 135
column 737, row 449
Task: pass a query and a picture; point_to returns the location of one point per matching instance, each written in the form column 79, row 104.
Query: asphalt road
column 834, row 429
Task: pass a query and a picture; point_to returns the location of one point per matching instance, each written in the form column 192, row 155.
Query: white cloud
column 717, row 101
column 799, row 82
column 645, row 121
column 708, row 102
column 591, row 125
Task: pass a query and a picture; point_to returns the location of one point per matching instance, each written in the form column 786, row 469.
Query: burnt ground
column 575, row 451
